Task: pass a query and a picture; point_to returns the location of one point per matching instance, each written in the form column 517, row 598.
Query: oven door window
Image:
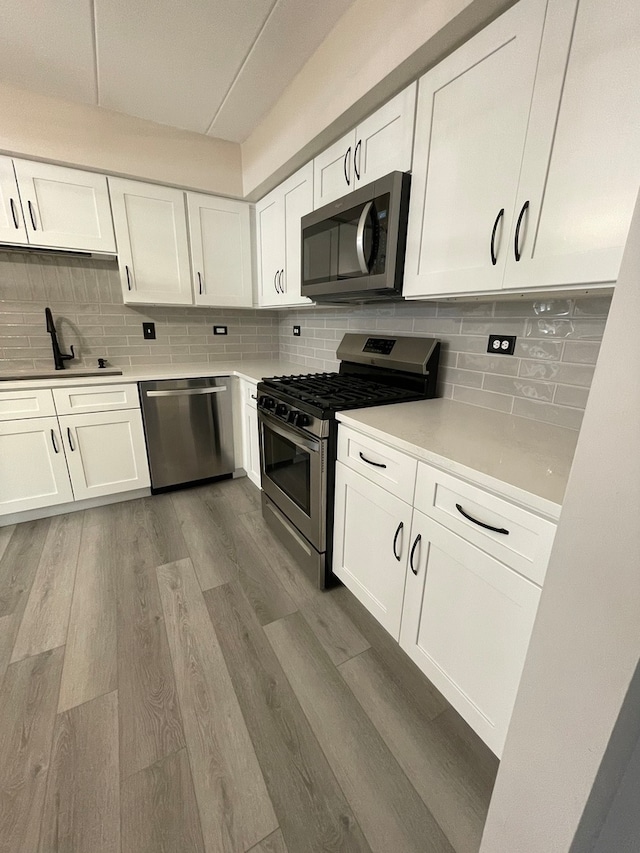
column 288, row 466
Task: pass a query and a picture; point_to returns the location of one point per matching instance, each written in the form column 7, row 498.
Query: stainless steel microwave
column 353, row 249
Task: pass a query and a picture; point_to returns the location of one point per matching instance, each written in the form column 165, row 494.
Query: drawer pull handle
column 369, row 462
column 481, row 523
column 395, row 540
column 413, row 551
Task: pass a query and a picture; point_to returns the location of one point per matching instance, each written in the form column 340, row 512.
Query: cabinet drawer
column 389, row 468
column 96, row 398
column 249, row 391
column 26, row 404
column 521, row 539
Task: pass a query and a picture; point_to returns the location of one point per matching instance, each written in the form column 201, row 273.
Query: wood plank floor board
column 149, row 533
column 452, row 770
column 46, row 616
column 240, row 491
column 335, row 632
column 159, row 809
column 273, row 844
column 28, row 700
column 235, row 809
column 387, row 806
column 82, row 806
column 252, row 570
column 19, row 563
column 90, row 662
column 5, row 534
column 8, row 631
column 209, row 547
column 150, row 720
column 311, row 808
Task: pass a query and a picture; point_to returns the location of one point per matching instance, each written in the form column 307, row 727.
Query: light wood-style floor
column 171, row 683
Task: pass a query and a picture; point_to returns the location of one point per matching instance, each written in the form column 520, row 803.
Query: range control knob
column 281, row 410
column 302, row 420
column 266, row 402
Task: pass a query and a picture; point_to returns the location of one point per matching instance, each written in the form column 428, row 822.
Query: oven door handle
column 289, row 434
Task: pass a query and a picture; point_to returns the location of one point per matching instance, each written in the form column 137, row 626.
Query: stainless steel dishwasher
column 188, row 425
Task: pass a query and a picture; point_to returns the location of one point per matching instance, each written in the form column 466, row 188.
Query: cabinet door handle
column 254, row 396
column 32, row 215
column 282, row 286
column 413, row 551
column 126, row 269
column 71, row 447
column 369, row 462
column 14, row 213
column 494, row 260
column 275, row 281
column 516, row 239
column 200, row 284
column 347, row 159
column 53, row 441
column 481, row 523
column 358, row 148
column 395, row 540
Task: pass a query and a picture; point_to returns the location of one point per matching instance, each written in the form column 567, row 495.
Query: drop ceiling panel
column 292, row 33
column 48, row 47
column 173, row 62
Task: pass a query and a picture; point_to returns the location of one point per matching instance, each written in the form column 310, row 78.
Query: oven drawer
column 520, row 539
column 389, row 468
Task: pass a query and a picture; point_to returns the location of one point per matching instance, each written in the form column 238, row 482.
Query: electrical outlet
column 501, row 344
column 296, row 331
column 219, row 330
column 149, row 331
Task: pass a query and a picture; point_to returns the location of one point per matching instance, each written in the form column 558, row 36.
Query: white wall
column 53, row 129
column 375, row 49
column 586, row 639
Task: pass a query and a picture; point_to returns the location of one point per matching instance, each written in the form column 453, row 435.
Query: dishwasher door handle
column 186, row 392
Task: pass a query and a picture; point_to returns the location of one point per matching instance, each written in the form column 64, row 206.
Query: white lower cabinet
column 371, row 539
column 250, row 436
column 106, row 452
column 33, row 468
column 52, row 460
column 460, row 593
column 466, row 623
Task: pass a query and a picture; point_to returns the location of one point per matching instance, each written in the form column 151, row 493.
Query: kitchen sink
column 17, row 375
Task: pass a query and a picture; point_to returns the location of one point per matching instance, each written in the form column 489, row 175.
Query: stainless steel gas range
column 298, row 434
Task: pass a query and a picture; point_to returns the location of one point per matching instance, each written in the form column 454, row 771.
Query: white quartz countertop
column 523, row 460
column 253, row 370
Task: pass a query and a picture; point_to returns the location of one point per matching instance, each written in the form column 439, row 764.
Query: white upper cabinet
column 56, row 207
column 278, row 235
column 581, row 166
column 380, row 144
column 471, row 125
column 153, row 250
column 219, row 229
column 12, row 227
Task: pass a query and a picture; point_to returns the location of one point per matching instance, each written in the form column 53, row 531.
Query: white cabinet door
column 106, row 452
column 250, row 437
column 370, row 545
column 65, row 208
column 220, row 234
column 12, row 227
column 270, row 248
column 333, row 173
column 581, row 167
column 466, row 623
column 471, row 124
column 384, row 141
column 297, row 200
column 153, row 250
column 33, row 468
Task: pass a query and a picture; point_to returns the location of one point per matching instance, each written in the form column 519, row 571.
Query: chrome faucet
column 59, row 357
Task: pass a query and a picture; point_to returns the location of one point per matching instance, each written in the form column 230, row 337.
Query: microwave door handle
column 364, row 266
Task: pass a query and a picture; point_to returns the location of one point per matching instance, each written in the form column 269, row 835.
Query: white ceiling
column 210, row 66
